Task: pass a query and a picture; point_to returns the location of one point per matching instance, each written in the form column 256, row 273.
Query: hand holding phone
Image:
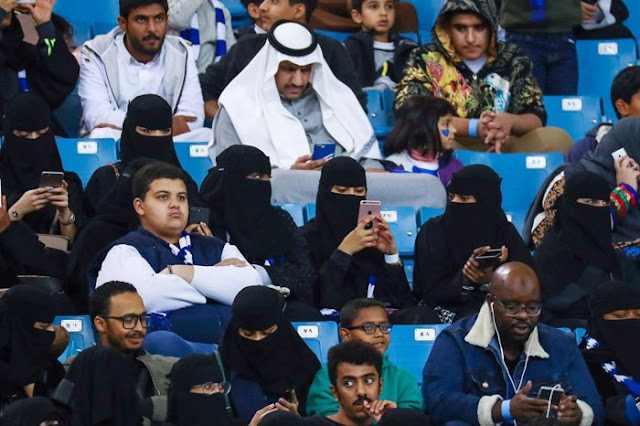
column 51, row 179
column 490, row 258
column 549, row 393
column 369, row 208
column 198, row 214
column 323, row 151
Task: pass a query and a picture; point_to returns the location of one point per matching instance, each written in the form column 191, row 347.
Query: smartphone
column 323, row 150
column 555, row 393
column 368, row 208
column 490, row 258
column 288, row 394
column 198, row 214
column 51, row 179
column 619, row 153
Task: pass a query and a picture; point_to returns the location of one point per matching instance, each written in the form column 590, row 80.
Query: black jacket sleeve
column 55, row 73
column 361, row 53
column 331, row 281
column 296, row 273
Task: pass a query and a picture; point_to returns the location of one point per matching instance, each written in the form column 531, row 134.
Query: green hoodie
column 504, row 84
column 398, row 386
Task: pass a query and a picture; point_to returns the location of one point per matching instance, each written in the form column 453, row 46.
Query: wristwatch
column 71, row 221
column 15, row 214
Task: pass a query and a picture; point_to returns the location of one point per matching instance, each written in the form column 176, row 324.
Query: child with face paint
column 422, row 140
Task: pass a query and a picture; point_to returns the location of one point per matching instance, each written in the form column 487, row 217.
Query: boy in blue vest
column 175, row 273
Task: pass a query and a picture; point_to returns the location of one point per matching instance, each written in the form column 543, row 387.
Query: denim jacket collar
column 483, row 332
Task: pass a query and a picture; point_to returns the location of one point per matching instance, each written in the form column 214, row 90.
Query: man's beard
column 139, row 46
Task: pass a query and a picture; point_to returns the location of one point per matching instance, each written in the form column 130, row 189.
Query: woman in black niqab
column 342, row 277
column 23, row 159
column 446, row 243
column 146, row 133
column 31, row 412
column 262, row 371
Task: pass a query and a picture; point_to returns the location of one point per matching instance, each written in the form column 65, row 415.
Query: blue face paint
column 446, row 132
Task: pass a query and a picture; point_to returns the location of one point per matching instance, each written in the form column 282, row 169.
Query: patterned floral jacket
column 504, row 84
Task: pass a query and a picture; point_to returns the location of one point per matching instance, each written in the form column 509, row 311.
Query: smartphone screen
column 324, row 150
column 546, row 391
column 198, row 214
column 51, row 179
column 490, row 258
column 368, row 208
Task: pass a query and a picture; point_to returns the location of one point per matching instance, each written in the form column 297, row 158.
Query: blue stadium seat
column 411, row 345
column 522, row 174
column 402, row 221
column 103, row 27
column 426, row 213
column 341, row 36
column 408, row 270
column 576, row 114
column 380, row 107
column 428, row 11
column 320, row 336
column 81, row 335
column 598, row 63
column 295, row 210
column 633, row 21
column 517, row 218
column 84, row 156
column 100, row 13
column 82, row 31
column 309, row 212
column 236, row 9
column 194, row 158
column 69, row 114
column 166, row 343
column 580, row 333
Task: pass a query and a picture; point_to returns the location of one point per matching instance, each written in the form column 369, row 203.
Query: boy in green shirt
column 366, row 320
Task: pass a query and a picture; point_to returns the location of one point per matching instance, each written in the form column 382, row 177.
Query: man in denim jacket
column 488, row 368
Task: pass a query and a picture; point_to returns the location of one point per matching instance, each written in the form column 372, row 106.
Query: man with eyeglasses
column 120, row 320
column 366, row 320
column 489, row 368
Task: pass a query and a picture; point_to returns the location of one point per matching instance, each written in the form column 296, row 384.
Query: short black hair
column 127, row 5
column 151, row 172
column 100, row 301
column 351, row 309
column 417, row 126
column 310, row 7
column 61, row 25
column 246, row 3
column 357, row 4
column 625, row 85
column 353, row 352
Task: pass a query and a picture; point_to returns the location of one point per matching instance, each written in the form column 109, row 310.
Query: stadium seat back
column 633, row 21
column 81, row 334
column 522, row 174
column 411, row 345
column 517, row 218
column 341, row 36
column 194, row 159
column 380, row 107
column 402, row 221
column 598, row 63
column 408, row 270
column 576, row 114
column 428, row 11
column 167, row 343
column 320, row 336
column 84, row 156
column 426, row 213
column 309, row 212
column 295, row 210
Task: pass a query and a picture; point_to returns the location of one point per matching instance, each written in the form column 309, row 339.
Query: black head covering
column 29, row 348
column 581, row 234
column 242, row 207
column 280, row 361
column 154, row 113
column 23, row 160
column 30, row 412
column 473, row 225
column 192, row 409
column 282, row 418
column 404, row 417
column 619, row 338
column 103, row 388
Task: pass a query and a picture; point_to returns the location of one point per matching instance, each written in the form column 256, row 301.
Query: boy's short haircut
column 100, row 300
column 351, row 309
column 353, row 352
column 151, row 172
column 357, row 4
column 246, row 3
column 127, row 5
column 310, row 7
column 625, row 85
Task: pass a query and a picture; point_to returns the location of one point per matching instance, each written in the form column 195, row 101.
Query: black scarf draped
column 580, row 236
column 192, row 409
column 337, row 216
column 103, row 388
column 28, row 347
column 153, row 113
column 18, row 55
column 23, row 160
column 242, row 207
column 473, row 225
column 619, row 339
column 280, row 361
column 30, row 412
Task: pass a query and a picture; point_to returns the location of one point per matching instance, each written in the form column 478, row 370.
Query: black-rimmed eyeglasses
column 370, row 328
column 130, row 321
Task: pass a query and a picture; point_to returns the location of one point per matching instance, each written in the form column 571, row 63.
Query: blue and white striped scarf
column 184, row 251
column 193, row 33
column 611, row 369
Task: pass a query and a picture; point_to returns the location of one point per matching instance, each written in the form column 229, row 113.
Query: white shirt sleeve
column 222, row 283
column 160, row 292
column 94, row 94
column 191, row 102
column 181, row 12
